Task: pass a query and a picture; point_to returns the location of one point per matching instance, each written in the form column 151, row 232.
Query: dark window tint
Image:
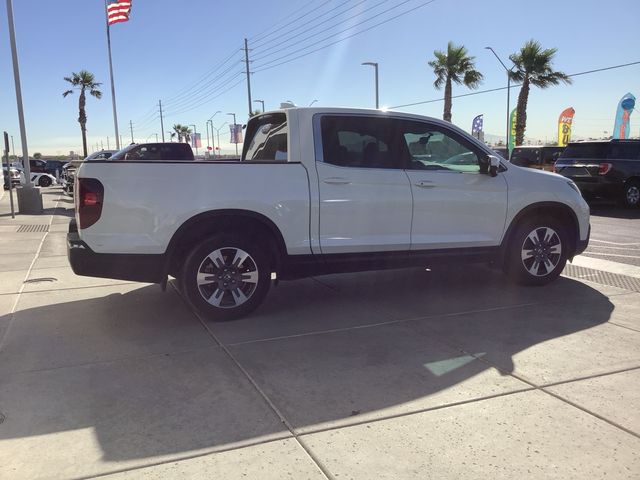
column 586, row 151
column 267, row 138
column 176, row 151
column 624, row 151
column 361, row 142
column 144, row 152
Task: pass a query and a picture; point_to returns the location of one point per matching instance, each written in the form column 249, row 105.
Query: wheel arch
column 225, row 220
column 557, row 210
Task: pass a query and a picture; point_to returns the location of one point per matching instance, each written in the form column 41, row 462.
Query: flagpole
column 113, row 88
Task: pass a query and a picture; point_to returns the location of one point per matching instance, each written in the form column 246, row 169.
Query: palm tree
column 182, row 132
column 83, row 81
column 533, row 67
column 454, row 66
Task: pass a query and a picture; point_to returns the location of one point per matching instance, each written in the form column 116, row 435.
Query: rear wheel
column 537, row 252
column 44, row 181
column 225, row 277
column 631, row 194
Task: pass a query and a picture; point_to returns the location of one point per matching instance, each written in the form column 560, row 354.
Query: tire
column 537, row 252
column 631, row 194
column 228, row 292
column 44, row 181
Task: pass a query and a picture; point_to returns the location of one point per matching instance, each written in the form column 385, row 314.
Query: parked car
column 10, row 173
column 503, row 152
column 318, row 191
column 542, row 158
column 41, row 179
column 606, row 169
column 68, row 170
column 55, row 166
column 37, row 166
column 168, row 151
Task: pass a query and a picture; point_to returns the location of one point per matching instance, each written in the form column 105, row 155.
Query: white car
column 322, row 190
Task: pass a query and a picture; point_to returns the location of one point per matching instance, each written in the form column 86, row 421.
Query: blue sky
column 168, row 46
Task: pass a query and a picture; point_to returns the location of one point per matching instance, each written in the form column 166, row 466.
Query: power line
column 212, row 85
column 512, row 86
column 301, row 26
column 275, row 29
column 332, row 35
column 207, row 98
column 340, row 40
column 177, row 98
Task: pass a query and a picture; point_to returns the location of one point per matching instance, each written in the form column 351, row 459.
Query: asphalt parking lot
column 443, row 374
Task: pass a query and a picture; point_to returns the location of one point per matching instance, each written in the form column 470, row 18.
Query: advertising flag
column 236, row 133
column 512, row 131
column 477, row 125
column 564, row 126
column 118, row 12
column 622, row 128
column 196, row 140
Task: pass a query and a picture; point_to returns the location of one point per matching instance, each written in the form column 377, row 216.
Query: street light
column 234, row 131
column 375, row 66
column 210, row 121
column 508, row 92
column 218, row 135
column 262, row 102
column 313, row 102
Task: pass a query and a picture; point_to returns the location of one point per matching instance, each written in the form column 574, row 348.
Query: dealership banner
column 236, row 133
column 477, row 127
column 564, row 126
column 512, row 130
column 622, row 129
column 196, row 140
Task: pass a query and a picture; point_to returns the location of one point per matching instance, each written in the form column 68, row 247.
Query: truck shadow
column 141, row 371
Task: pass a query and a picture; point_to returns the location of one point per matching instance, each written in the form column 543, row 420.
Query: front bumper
column 119, row 266
column 581, row 245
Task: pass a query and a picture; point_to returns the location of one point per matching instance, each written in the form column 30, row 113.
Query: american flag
column 118, row 12
column 476, row 126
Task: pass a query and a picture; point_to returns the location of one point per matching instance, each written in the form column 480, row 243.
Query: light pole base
column 29, row 201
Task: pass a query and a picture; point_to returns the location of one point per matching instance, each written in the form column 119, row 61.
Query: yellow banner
column 564, row 126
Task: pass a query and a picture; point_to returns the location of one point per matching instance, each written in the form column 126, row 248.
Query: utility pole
column 246, row 61
column 161, row 121
column 113, row 87
column 108, row 148
column 13, row 150
column 131, row 127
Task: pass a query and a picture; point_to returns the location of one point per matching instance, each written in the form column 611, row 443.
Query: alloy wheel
column 633, row 195
column 541, row 251
column 227, row 277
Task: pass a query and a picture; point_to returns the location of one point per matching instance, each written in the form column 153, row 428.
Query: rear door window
column 624, row 151
column 360, row 142
column 267, row 139
column 586, row 151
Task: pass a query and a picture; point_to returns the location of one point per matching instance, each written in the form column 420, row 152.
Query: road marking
column 613, row 248
column 611, row 255
column 616, row 243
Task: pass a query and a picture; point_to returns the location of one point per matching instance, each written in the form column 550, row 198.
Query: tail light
column 89, row 194
column 604, row 168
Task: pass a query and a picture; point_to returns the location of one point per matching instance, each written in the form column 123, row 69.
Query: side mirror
column 490, row 165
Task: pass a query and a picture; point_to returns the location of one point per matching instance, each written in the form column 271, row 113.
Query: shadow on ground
column 146, row 378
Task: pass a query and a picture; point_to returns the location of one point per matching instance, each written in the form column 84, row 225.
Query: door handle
column 336, row 181
column 424, row 184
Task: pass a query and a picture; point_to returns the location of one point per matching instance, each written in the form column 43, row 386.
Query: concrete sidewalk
column 448, row 374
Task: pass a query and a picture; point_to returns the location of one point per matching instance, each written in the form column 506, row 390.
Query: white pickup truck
column 317, row 191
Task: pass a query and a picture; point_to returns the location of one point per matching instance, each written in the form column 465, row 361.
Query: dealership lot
column 394, row 374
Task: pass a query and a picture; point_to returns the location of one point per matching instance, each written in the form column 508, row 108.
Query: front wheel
column 537, row 252
column 226, row 277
